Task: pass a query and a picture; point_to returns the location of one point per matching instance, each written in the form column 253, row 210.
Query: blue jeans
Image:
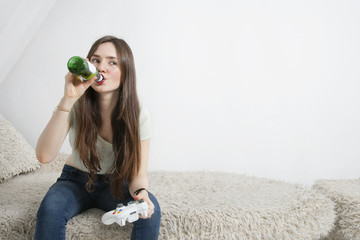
column 68, row 197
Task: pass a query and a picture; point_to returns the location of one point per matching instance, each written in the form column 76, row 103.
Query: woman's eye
column 113, row 63
column 95, row 60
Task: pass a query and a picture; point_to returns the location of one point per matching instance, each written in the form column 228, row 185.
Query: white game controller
column 128, row 213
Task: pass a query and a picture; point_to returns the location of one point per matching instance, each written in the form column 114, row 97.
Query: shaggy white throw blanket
column 195, row 205
column 346, row 195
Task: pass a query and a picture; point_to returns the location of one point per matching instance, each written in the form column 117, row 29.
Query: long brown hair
column 124, row 122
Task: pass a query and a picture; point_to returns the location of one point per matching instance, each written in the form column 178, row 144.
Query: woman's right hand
column 74, row 87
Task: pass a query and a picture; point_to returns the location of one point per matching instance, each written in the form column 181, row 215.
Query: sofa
column 194, row 205
column 345, row 193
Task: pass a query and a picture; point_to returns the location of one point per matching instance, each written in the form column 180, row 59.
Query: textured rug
column 345, row 193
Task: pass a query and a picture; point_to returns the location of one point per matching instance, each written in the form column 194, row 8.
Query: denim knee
column 51, row 220
column 53, row 205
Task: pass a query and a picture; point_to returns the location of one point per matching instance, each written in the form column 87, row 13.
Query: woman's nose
column 101, row 67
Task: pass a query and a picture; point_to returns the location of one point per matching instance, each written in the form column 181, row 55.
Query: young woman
column 110, row 135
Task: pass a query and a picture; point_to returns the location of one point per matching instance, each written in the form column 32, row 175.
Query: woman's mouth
column 101, row 79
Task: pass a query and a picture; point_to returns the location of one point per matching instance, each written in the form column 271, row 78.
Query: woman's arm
column 141, row 180
column 53, row 136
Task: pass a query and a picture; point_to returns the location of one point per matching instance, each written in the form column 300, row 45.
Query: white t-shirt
column 105, row 149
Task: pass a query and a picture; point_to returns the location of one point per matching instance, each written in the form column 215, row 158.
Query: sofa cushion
column 345, row 193
column 194, row 205
column 16, row 155
column 216, row 205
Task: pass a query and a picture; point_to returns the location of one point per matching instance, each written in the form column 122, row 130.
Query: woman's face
column 105, row 59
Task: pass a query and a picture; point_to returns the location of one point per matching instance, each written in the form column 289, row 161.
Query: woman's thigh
column 65, row 199
column 107, row 202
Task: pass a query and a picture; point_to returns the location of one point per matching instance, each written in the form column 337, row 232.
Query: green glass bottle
column 84, row 69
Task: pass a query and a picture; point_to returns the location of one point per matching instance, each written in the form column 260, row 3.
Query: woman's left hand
column 145, row 196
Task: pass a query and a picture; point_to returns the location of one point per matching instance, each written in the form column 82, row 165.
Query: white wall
column 265, row 88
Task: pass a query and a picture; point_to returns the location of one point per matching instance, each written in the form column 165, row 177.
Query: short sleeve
column 145, row 124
